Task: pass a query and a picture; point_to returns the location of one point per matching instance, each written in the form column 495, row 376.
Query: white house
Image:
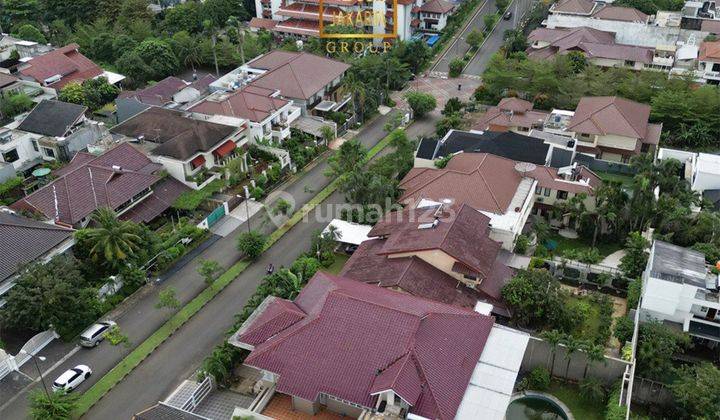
column 701, row 170
column 679, row 289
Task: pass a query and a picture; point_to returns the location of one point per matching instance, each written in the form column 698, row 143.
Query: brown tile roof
column 66, row 62
column 89, row 184
column 579, row 7
column 24, row 240
column 309, row 11
column 564, row 39
column 261, row 23
column 510, row 112
column 298, row 27
column 356, row 338
column 623, row 14
column 179, row 137
column 296, row 75
column 515, row 105
column 164, row 195
column 486, row 182
column 7, row 80
column 712, row 26
column 158, row 94
column 251, row 102
column 618, row 52
column 602, row 115
column 436, row 6
column 547, row 177
column 592, row 42
column 710, row 51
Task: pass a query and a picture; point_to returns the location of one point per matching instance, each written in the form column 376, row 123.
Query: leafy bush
column 592, row 389
column 190, row 200
column 539, row 379
column 614, row 410
column 252, row 244
column 261, row 180
column 633, row 293
column 624, row 327
column 456, row 67
column 521, row 244
column 10, row 191
column 257, row 193
column 421, row 103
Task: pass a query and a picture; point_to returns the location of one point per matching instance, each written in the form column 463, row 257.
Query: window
column 562, row 195
column 35, row 146
column 538, row 190
column 546, row 192
column 10, row 156
column 48, row 152
column 645, row 148
column 629, row 63
column 469, row 277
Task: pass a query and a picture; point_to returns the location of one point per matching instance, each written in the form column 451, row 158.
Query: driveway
column 184, row 351
column 138, row 318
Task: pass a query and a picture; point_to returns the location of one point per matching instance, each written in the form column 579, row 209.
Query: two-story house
column 188, row 148
column 268, row 115
column 613, row 128
column 709, row 62
column 679, row 289
column 511, row 114
column 434, row 14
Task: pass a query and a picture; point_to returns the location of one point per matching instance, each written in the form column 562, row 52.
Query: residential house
column 434, row 15
column 268, row 115
column 301, row 18
column 191, row 150
column 25, row 49
column 613, row 128
column 550, row 150
column 502, row 189
column 678, row 289
column 574, row 7
column 23, row 241
column 59, row 67
column 511, row 114
column 435, row 252
column 11, row 85
column 53, row 130
column 709, row 61
column 171, row 92
column 363, row 351
column 122, row 179
column 701, row 170
column 621, row 14
column 599, row 47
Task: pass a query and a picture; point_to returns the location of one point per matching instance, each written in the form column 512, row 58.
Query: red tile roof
column 296, row 75
column 623, row 14
column 66, row 62
column 158, row 94
column 436, row 6
column 356, row 339
column 710, row 51
column 298, row 27
column 164, row 195
column 261, row 23
column 89, row 183
column 510, row 112
column 579, row 7
column 7, row 80
column 251, row 102
column 603, row 115
column 486, row 182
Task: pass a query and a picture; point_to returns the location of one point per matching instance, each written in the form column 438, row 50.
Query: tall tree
column 113, row 242
column 351, row 156
column 695, row 389
column 56, row 405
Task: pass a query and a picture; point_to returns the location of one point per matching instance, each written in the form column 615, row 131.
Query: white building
column 679, row 289
column 701, row 170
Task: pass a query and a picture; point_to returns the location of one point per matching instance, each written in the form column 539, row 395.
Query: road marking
column 37, row 380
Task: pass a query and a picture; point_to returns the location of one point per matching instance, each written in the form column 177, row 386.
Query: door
column 711, row 313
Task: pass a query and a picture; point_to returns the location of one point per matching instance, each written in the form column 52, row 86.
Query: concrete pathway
column 613, row 260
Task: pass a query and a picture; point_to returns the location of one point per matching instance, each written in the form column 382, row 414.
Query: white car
column 71, row 378
column 96, row 333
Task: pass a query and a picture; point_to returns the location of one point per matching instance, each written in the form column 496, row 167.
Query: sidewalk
column 140, row 319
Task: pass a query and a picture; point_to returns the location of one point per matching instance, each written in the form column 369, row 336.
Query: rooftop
column 623, row 14
column 351, row 340
column 52, row 118
column 66, row 62
column 579, row 7
column 436, row 6
column 250, row 103
column 511, row 112
column 603, row 115
column 677, row 264
column 710, row 51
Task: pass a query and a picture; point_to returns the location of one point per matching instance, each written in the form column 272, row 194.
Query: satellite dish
column 446, row 201
column 525, row 167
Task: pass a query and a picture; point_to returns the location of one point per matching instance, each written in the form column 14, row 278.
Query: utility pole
column 214, row 41
column 42, row 379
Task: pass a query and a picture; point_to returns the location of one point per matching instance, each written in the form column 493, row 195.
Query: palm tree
column 553, row 338
column 357, row 87
column 113, row 240
column 594, row 353
column 571, row 346
column 541, row 228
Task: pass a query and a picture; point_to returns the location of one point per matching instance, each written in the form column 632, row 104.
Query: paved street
column 182, row 353
column 139, row 318
column 459, row 46
column 477, row 65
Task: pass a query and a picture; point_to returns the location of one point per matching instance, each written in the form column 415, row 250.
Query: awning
column 349, row 233
column 225, row 149
column 199, row 160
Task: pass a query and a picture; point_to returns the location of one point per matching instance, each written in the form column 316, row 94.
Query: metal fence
column 202, row 391
column 10, row 363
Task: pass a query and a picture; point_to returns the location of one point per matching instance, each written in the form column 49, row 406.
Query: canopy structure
column 349, row 233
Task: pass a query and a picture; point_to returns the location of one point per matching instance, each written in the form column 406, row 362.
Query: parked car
column 96, row 333
column 507, row 15
column 71, row 378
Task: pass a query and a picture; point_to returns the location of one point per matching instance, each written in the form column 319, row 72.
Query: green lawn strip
column 564, row 244
column 337, row 265
column 591, row 320
column 580, row 407
column 609, row 176
column 144, row 349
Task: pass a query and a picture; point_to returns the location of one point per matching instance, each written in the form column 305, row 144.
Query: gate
column 216, row 215
column 34, row 345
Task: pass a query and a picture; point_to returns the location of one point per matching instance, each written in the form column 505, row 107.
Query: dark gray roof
column 677, row 264
column 23, row 240
column 426, row 148
column 180, row 137
column 713, row 196
column 52, row 118
column 561, row 158
column 161, row 411
column 504, row 144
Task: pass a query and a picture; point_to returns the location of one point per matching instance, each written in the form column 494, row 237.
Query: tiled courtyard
column 441, row 89
column 280, row 408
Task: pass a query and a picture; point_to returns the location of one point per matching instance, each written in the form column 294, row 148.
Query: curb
column 458, row 35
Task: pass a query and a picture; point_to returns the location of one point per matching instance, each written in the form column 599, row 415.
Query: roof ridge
column 37, row 225
column 627, row 120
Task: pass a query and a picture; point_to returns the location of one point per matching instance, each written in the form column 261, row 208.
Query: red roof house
column 345, row 343
column 60, row 67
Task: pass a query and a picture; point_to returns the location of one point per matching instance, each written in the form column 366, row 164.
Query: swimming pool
column 536, row 406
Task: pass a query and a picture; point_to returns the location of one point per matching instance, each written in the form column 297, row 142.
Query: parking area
column 441, row 89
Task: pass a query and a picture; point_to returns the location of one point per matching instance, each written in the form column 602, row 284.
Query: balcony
column 663, row 61
column 704, row 328
column 280, row 131
column 713, row 75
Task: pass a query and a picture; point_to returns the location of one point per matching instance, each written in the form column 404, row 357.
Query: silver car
column 96, row 333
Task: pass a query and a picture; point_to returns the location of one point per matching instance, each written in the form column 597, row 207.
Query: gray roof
column 678, row 265
column 23, row 240
column 161, row 411
column 52, row 118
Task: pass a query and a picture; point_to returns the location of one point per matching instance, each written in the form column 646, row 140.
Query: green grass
column 336, row 267
column 564, row 244
column 144, row 349
column 608, row 176
column 589, row 328
column 580, row 408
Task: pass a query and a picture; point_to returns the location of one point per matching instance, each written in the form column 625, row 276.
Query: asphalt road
column 138, row 318
column 459, row 47
column 477, row 65
column 177, row 358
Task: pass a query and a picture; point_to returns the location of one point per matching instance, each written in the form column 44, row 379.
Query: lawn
column 336, row 267
column 591, row 320
column 608, row 176
column 563, row 244
column 580, row 407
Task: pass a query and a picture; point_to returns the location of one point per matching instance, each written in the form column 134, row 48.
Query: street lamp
column 42, row 359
